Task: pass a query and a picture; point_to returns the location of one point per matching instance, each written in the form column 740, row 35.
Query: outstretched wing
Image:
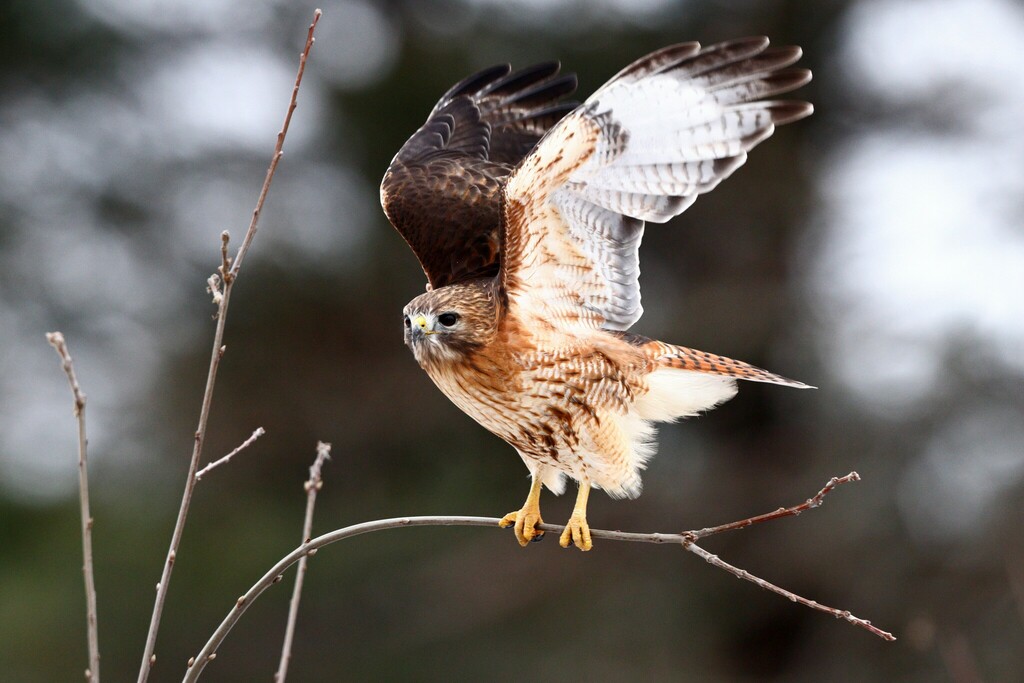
column 442, row 190
column 667, row 128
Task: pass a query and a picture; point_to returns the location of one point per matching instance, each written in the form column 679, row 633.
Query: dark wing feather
column 442, row 191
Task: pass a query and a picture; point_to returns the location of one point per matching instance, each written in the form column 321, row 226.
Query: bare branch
column 227, row 458
column 747, row 576
column 92, row 674
column 793, row 511
column 229, row 278
column 686, row 540
column 312, row 486
column 251, row 232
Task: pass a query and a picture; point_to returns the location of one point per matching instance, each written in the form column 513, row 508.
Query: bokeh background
column 875, row 250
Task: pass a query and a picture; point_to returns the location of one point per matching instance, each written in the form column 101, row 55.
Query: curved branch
column 687, row 540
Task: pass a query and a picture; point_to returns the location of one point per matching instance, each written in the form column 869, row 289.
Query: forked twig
column 686, row 540
column 222, row 296
column 793, row 511
column 312, row 486
column 92, row 674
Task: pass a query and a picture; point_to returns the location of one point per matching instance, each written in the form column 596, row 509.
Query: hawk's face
column 448, row 324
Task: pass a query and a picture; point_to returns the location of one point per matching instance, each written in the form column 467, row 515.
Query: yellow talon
column 527, row 519
column 577, row 531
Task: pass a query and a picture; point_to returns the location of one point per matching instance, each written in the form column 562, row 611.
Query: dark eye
column 408, row 322
column 448, row 319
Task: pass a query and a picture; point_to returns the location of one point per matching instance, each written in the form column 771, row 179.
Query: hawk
column 526, row 213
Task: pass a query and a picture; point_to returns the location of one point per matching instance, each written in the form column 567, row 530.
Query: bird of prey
column 526, row 213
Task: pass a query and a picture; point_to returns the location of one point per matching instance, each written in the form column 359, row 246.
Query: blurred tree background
column 875, row 250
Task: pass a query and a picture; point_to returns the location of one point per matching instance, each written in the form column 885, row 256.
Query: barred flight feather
column 666, row 129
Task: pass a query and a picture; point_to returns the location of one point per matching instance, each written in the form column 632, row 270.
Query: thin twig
column 809, row 504
column 222, row 298
column 251, row 232
column 312, row 486
column 227, row 458
column 747, row 576
column 92, row 674
column 686, row 540
column 793, row 511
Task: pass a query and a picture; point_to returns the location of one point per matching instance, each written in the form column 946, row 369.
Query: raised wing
column 442, row 190
column 667, row 128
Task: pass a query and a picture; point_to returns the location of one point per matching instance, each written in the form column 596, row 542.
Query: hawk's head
column 450, row 323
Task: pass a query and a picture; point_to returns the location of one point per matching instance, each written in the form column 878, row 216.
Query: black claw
column 538, row 537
